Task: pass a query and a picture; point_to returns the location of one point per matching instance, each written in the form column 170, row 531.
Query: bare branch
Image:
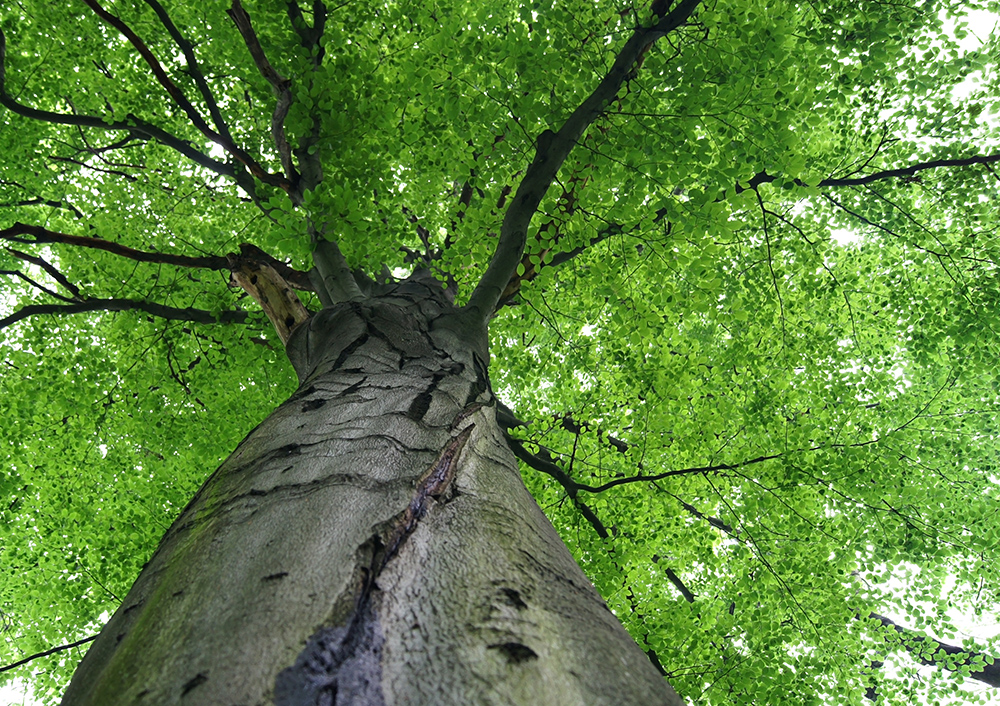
column 171, row 313
column 332, row 277
column 248, row 253
column 52, row 203
column 679, row 585
column 33, row 283
column 546, row 466
column 52, row 271
column 279, row 84
column 552, row 149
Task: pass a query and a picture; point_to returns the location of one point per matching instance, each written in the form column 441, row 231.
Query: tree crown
column 771, row 436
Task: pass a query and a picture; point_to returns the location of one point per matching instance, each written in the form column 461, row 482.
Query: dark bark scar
column 434, row 483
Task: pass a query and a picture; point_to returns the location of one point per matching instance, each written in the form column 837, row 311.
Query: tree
column 770, row 448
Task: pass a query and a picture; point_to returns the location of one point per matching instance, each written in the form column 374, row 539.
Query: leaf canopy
column 753, row 333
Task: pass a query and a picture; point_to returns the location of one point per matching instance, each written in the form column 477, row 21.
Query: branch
column 47, row 202
column 532, row 270
column 763, row 177
column 310, row 163
column 43, row 235
column 33, row 283
column 171, row 313
column 679, row 472
column 331, row 276
column 279, row 84
column 552, row 149
column 911, row 641
column 679, row 585
column 248, row 254
column 131, row 124
column 53, row 272
column 309, row 36
column 46, row 653
column 549, row 468
column 181, row 100
column 193, row 69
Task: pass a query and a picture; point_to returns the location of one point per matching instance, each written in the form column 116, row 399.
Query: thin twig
column 46, row 653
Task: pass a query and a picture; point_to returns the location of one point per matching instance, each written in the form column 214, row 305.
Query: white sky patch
column 844, row 237
column 216, row 151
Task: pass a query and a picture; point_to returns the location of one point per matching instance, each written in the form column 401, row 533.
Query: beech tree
column 712, row 285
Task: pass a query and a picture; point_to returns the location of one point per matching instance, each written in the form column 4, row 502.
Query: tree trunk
column 371, row 542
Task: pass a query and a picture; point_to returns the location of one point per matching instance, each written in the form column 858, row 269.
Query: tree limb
column 296, row 278
column 33, row 283
column 279, row 84
column 552, row 149
column 43, row 235
column 184, row 104
column 549, row 468
column 331, row 276
column 310, row 163
column 171, row 313
column 52, row 203
column 194, row 70
column 763, row 177
column 911, row 641
column 53, row 272
column 46, row 653
column 131, row 124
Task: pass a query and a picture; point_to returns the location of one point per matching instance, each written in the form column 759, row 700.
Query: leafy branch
column 763, row 177
column 39, row 235
column 184, row 104
column 552, row 149
column 131, row 125
column 934, row 653
column 162, row 311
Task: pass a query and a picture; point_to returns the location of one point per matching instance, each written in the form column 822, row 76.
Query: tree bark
column 370, row 542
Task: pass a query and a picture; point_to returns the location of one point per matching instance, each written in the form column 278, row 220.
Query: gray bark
column 371, row 542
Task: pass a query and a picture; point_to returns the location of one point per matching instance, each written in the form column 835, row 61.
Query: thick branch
column 297, row 279
column 171, row 313
column 273, row 294
column 279, row 84
column 43, row 235
column 552, row 149
column 912, row 641
column 331, row 276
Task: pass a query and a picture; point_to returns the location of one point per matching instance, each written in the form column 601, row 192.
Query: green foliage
column 820, row 414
